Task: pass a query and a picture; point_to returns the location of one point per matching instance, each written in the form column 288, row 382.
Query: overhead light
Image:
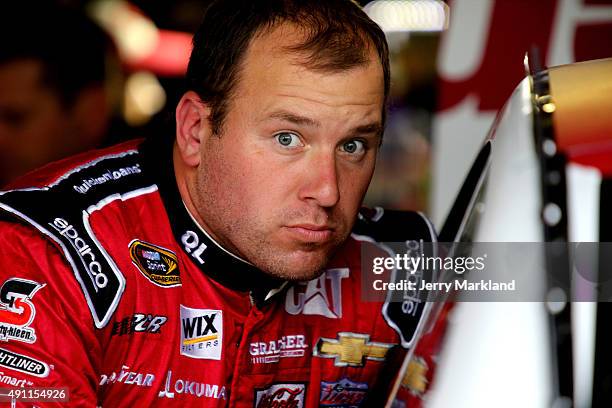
column 144, row 97
column 135, row 35
column 409, row 15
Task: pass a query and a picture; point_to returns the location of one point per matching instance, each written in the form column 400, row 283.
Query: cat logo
column 320, row 296
column 351, row 349
column 415, row 379
column 157, row 264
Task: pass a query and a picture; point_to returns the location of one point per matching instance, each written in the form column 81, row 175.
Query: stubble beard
column 286, row 264
column 247, row 237
column 251, row 242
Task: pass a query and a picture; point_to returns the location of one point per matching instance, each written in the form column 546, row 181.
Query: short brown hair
column 338, row 36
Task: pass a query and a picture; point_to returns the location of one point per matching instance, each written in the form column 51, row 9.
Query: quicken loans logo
column 201, row 333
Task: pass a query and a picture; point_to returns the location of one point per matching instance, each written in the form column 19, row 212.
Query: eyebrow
column 374, row 127
column 295, row 119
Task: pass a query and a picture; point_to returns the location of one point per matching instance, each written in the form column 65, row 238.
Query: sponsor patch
column 17, row 311
column 89, row 255
column 138, row 323
column 415, row 379
column 201, row 333
column 342, row 394
column 351, row 349
column 292, row 395
column 408, row 314
column 265, row 352
column 86, row 184
column 398, row 404
column 192, row 245
column 64, row 218
column 125, row 376
column 320, row 296
column 99, row 277
column 13, row 381
column 24, row 364
column 157, row 264
column 190, row 387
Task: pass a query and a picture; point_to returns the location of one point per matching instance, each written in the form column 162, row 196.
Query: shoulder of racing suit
column 405, row 230
column 394, row 225
column 58, row 200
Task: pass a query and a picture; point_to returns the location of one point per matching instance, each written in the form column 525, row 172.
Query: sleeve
column 47, row 335
column 418, row 378
column 393, row 226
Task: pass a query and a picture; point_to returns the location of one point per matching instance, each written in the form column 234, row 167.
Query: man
column 53, row 100
column 216, row 269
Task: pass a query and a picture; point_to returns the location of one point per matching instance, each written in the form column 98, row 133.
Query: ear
column 192, row 127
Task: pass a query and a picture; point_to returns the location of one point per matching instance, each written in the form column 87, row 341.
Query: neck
column 185, row 181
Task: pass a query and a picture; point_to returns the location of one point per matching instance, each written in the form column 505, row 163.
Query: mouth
column 311, row 233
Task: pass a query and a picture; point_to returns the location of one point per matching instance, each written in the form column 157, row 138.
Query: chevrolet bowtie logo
column 415, row 378
column 350, row 349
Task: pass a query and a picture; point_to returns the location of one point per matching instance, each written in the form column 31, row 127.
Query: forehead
column 20, row 73
column 21, row 83
column 270, row 65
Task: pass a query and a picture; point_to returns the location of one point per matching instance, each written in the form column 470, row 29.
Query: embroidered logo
column 201, row 333
column 157, row 264
column 17, row 311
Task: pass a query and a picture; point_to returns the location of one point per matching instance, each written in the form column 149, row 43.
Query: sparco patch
column 342, row 394
column 292, row 395
column 24, row 364
column 64, row 216
column 17, row 312
column 201, row 333
column 157, row 264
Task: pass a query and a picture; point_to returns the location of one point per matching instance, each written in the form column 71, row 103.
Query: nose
column 321, row 180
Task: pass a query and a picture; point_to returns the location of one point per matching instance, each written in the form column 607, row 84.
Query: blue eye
column 287, row 139
column 354, row 147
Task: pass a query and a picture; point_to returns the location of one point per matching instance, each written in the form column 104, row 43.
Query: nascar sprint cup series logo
column 17, row 311
column 201, row 333
column 157, row 264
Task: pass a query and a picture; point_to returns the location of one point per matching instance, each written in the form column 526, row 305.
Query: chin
column 304, row 275
column 298, row 267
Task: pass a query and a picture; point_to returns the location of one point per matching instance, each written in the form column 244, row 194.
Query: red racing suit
column 110, row 289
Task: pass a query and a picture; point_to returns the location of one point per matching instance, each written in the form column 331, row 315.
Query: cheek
column 354, row 184
column 243, row 185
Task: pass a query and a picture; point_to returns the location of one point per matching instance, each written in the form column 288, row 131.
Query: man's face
column 34, row 126
column 282, row 183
